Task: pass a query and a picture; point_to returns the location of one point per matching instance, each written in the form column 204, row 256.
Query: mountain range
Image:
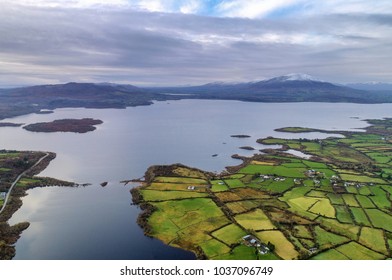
column 288, row 88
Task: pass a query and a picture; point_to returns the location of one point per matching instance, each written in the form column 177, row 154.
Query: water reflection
column 100, row 223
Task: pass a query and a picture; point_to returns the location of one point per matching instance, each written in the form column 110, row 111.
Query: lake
column 100, row 223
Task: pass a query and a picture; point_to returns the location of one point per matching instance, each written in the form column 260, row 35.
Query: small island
column 240, row 136
column 296, row 129
column 65, row 125
column 249, row 148
column 336, row 205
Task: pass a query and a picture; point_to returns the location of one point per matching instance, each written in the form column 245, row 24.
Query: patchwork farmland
column 335, row 205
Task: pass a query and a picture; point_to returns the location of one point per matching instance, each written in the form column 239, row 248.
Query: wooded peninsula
column 17, row 175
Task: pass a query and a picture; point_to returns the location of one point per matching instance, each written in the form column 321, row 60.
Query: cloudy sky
column 182, row 42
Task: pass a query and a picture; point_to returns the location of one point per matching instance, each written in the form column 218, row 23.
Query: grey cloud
column 157, row 48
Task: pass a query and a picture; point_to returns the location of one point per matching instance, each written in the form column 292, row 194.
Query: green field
column 327, row 239
column 335, row 199
column 284, row 248
column 388, row 189
column 27, row 181
column 296, row 192
column 175, row 187
column 234, row 183
column 355, row 251
column 364, row 191
column 380, row 199
column 323, row 207
column 182, row 180
column 213, row 248
column 360, row 216
column 230, row 234
column 176, row 220
column 278, row 186
column 242, row 252
column 254, row 220
column 365, row 201
column 361, row 179
column 314, row 193
column 381, row 158
column 374, row 239
column 350, row 200
column 274, row 170
column 4, row 170
column 343, row 214
column 9, row 155
column 352, row 189
column 301, row 205
column 242, row 206
column 315, row 165
column 234, row 176
column 303, row 232
column 380, row 219
column 331, row 254
column 153, row 195
column 218, row 186
column 334, row 226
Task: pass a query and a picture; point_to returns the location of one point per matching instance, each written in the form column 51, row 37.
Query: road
column 17, row 180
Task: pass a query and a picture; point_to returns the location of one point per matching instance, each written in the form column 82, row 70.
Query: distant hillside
column 79, row 94
column 372, row 86
column 289, row 88
column 24, row 100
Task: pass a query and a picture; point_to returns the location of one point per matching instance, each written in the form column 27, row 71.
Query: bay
column 100, row 223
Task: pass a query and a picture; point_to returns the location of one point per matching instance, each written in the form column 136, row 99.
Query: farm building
column 251, row 241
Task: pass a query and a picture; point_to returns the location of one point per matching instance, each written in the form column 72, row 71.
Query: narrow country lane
column 17, row 180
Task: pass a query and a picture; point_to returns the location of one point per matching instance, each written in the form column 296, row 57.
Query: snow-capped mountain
column 295, row 77
column 299, row 77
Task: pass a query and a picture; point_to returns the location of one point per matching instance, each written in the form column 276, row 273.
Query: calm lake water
column 100, row 223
